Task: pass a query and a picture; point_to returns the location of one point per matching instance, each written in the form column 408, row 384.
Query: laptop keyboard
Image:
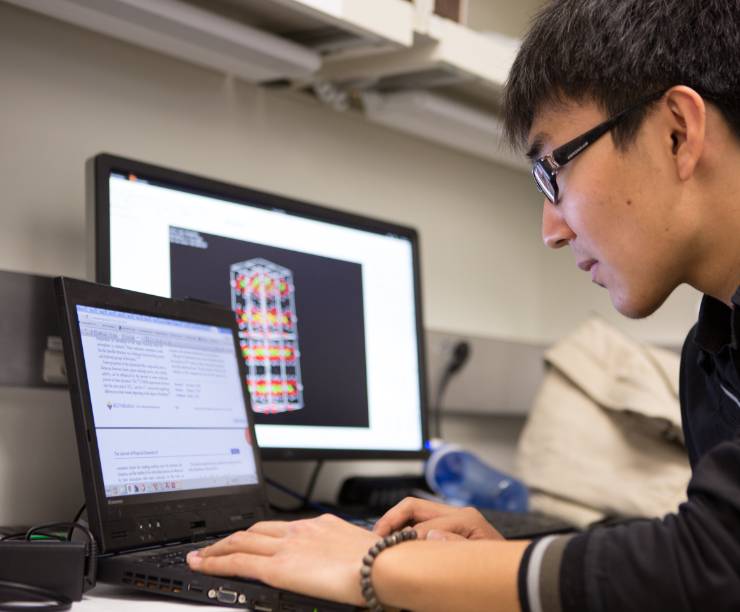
column 177, row 557
column 171, row 558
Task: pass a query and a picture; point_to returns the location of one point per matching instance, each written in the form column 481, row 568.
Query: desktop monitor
column 327, row 302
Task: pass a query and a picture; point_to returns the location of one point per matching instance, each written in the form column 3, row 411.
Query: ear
column 687, row 123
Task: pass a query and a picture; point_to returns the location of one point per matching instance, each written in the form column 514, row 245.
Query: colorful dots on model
column 263, row 300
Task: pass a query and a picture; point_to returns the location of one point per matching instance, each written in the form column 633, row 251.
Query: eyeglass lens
column 544, row 184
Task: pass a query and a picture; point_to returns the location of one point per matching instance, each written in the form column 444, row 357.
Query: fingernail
column 194, row 557
column 434, row 534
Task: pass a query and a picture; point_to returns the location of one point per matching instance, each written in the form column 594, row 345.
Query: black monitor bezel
column 99, row 169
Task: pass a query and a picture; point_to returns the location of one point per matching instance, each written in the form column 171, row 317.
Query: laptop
column 166, row 441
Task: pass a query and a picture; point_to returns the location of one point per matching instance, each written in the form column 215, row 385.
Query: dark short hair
column 613, row 52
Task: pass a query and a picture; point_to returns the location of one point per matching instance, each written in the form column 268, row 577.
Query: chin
column 633, row 307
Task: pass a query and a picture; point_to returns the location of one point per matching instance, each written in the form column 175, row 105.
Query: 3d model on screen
column 263, row 298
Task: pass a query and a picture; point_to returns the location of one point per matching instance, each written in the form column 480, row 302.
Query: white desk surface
column 109, row 598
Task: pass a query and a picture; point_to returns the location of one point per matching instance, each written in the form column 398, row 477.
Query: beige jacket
column 604, row 435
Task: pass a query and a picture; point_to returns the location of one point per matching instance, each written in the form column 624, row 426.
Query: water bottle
column 464, row 480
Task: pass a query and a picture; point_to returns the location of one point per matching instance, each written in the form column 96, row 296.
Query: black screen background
column 331, row 324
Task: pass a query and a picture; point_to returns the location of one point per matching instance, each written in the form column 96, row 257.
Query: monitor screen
column 167, row 403
column 327, row 303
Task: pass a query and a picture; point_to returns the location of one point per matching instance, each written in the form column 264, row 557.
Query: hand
column 443, row 521
column 320, row 557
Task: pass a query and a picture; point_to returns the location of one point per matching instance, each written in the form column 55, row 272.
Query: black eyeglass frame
column 550, row 164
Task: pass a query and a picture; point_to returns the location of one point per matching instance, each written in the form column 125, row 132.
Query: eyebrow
column 536, row 147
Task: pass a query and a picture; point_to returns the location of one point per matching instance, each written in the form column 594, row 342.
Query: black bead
column 367, row 562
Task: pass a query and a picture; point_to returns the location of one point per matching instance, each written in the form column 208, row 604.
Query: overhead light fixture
column 444, row 121
column 189, row 33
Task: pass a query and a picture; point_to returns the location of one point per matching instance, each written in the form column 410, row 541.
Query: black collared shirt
column 710, row 378
column 688, row 560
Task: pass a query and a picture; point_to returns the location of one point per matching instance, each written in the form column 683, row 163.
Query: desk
column 111, row 598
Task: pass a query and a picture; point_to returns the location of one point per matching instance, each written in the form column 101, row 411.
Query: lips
column 586, row 264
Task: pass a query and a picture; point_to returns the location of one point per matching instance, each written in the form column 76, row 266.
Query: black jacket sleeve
column 687, row 561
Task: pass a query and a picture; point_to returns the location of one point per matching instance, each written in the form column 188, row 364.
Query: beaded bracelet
column 366, row 584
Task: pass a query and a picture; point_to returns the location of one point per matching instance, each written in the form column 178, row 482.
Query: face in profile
column 618, row 210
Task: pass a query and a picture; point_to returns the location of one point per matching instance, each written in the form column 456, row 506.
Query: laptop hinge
column 150, row 547
column 201, row 537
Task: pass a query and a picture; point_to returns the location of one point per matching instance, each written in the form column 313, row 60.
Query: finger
column 410, row 510
column 436, row 534
column 468, row 525
column 244, row 542
column 449, row 524
column 236, row 564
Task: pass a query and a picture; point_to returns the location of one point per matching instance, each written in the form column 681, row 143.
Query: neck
column 717, row 265
column 716, row 260
column 716, row 253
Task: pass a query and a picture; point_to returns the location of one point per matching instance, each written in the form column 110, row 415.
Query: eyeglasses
column 546, row 168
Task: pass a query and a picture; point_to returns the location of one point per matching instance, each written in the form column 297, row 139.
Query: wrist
column 367, row 585
column 450, row 575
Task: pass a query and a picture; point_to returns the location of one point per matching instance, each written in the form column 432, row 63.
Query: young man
column 630, row 110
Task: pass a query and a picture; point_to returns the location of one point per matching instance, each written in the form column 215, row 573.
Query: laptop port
column 258, row 607
column 226, row 596
column 194, row 588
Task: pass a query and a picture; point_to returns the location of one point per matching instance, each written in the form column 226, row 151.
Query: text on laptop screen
column 167, row 402
column 327, row 312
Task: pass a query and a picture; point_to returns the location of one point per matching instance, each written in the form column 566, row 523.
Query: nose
column 556, row 233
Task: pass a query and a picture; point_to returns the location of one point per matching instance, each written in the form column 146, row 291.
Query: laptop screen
column 167, row 402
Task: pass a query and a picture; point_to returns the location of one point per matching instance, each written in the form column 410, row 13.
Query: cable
column 460, row 354
column 25, row 594
column 305, row 499
column 75, row 519
column 316, row 506
column 21, row 535
column 312, row 482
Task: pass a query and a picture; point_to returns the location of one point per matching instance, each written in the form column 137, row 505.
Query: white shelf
column 388, row 21
column 397, row 56
column 480, row 56
column 187, row 32
column 446, row 89
column 257, row 40
column 446, row 54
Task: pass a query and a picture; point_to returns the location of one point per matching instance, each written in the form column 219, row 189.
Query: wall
column 569, row 297
column 68, row 94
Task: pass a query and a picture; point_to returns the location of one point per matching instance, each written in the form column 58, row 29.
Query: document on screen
column 167, row 401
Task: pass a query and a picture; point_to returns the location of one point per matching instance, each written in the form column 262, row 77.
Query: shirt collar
column 718, row 324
